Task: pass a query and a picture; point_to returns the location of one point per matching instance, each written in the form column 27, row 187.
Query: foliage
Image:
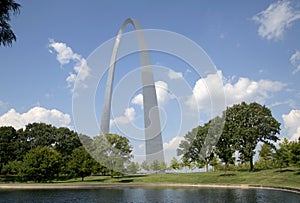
column 41, row 164
column 81, row 163
column 155, row 166
column 8, row 140
column 225, row 146
column 163, row 166
column 195, row 148
column 133, row 167
column 145, row 166
column 12, row 168
column 250, row 124
column 295, row 152
column 112, row 151
column 7, row 7
column 175, row 164
column 266, row 154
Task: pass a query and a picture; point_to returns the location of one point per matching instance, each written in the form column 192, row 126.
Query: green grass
column 273, row 177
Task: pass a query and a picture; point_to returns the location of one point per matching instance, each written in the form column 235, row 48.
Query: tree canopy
column 245, row 125
column 7, row 7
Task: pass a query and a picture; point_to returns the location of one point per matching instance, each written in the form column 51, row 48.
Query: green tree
column 7, row 7
column 12, row 168
column 41, row 164
column 145, row 166
column 163, row 166
column 65, row 142
column 155, row 166
column 175, row 164
column 112, row 151
column 283, row 154
column 8, row 139
column 225, row 146
column 195, row 147
column 215, row 162
column 40, row 135
column 133, row 167
column 295, row 152
column 250, row 124
column 81, row 164
column 266, row 154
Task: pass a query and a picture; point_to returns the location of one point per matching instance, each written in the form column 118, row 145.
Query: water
column 149, row 194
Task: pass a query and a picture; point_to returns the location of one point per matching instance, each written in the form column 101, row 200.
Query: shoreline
column 50, row 186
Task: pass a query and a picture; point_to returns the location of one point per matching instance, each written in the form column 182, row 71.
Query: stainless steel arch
column 153, row 137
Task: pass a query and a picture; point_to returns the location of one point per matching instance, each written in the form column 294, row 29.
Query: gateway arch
column 153, row 137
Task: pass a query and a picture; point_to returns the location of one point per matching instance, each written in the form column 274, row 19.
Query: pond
column 148, row 194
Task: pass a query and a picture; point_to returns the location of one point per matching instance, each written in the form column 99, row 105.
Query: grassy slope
column 289, row 178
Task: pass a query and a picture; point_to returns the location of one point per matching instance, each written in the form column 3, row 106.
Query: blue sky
column 255, row 47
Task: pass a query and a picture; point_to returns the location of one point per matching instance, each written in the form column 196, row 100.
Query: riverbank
column 287, row 179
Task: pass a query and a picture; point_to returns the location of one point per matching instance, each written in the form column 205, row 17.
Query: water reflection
column 149, row 194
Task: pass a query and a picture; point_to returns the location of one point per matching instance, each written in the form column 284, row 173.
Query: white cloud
column 175, row 75
column 173, row 144
column 65, row 55
column 275, row 19
column 243, row 90
column 163, row 96
column 138, row 100
column 295, row 61
column 129, row 115
column 36, row 114
column 170, row 148
column 292, row 124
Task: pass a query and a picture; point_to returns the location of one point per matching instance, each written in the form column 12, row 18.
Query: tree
column 133, row 167
column 7, row 7
column 175, row 164
column 195, row 146
column 81, row 163
column 251, row 124
column 40, row 135
column 41, row 164
column 225, row 146
column 266, row 154
column 65, row 142
column 155, row 166
column 145, row 166
column 8, row 139
column 112, row 151
column 163, row 166
column 295, row 152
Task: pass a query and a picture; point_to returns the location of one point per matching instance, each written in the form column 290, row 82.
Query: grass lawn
column 274, row 177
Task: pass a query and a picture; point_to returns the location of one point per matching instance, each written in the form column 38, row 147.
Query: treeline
column 238, row 132
column 42, row 152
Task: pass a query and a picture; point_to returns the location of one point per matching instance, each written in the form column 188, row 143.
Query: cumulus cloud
column 243, row 90
column 129, row 115
column 138, row 100
column 291, row 123
column 175, row 75
column 36, row 114
column 170, row 148
column 275, row 19
column 163, row 96
column 295, row 61
column 65, row 55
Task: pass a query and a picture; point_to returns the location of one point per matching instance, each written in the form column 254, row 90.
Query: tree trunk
column 251, row 164
column 82, row 178
column 206, row 167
